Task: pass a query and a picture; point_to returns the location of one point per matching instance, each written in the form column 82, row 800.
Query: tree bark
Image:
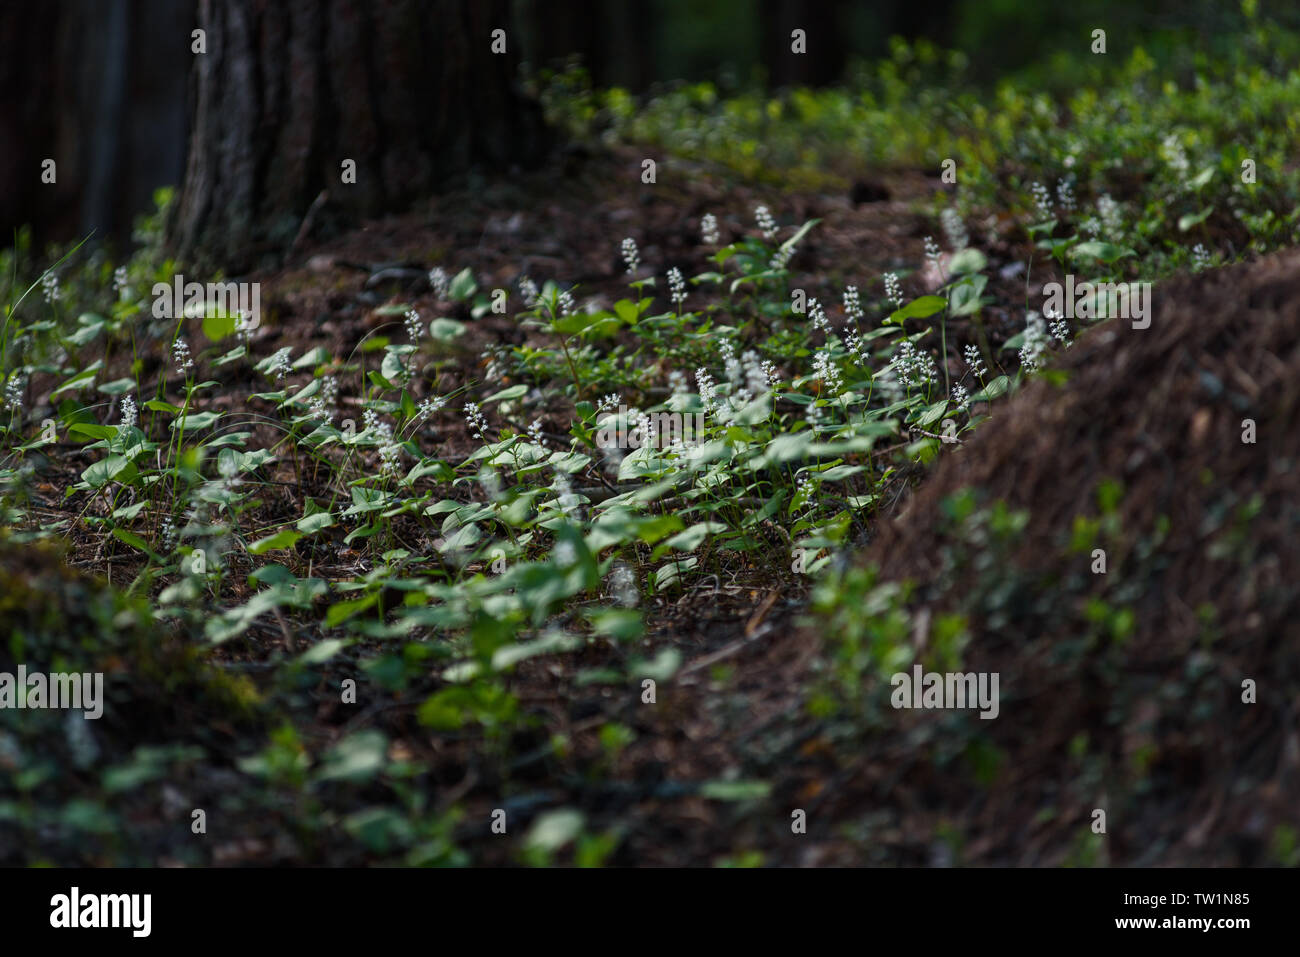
column 287, row 91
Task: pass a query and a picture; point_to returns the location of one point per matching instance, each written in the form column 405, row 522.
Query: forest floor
column 1128, row 703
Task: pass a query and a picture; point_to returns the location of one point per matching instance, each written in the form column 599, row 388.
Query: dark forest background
column 105, row 83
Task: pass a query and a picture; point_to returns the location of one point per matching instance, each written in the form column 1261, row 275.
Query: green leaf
column 840, row 472
column 322, row 651
column 217, row 325
column 968, row 260
column 341, row 611
column 553, row 830
column 94, row 431
column 505, row 395
column 921, row 308
column 311, row 524
column 690, row 539
column 78, row 381
column 798, row 236
column 392, row 368
column 462, row 286
column 1106, row 252
column 933, row 414
column 735, row 790
column 1194, row 219
column 991, row 391
column 280, row 540
column 660, row 668
column 196, row 420
column 446, row 330
column 113, row 468
column 135, row 541
column 621, row 624
column 313, row 357
column 357, row 757
column 966, row 295
column 116, row 387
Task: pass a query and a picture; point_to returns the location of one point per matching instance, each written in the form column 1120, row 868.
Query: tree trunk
column 99, row 97
column 409, row 90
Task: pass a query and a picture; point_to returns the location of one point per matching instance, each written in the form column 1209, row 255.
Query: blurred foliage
column 1133, row 152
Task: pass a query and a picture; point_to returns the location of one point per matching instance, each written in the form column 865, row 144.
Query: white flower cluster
column 1036, row 342
column 475, row 419
column 631, row 255
column 781, row 258
column 389, row 450
column 856, row 347
column 528, row 291
column 676, row 288
column 129, row 411
column 893, row 290
column 1061, row 331
column 1059, row 327
column 414, row 327
column 852, row 305
column 430, row 406
column 181, row 356
column 1112, row 217
column 913, row 366
column 708, row 390
column 960, row 396
column 974, row 361
column 758, row 378
column 1200, row 258
column 14, row 389
column 818, row 316
column 50, row 287
column 765, row 221
column 1042, row 198
column 735, row 371
column 565, row 499
column 828, row 372
column 932, row 250
column 1171, row 148
column 1065, row 195
column 440, row 282
column 564, row 554
column 278, row 366
column 954, row 229
column 495, row 358
column 623, row 585
column 323, row 403
column 804, row 488
column 242, row 327
column 709, row 229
